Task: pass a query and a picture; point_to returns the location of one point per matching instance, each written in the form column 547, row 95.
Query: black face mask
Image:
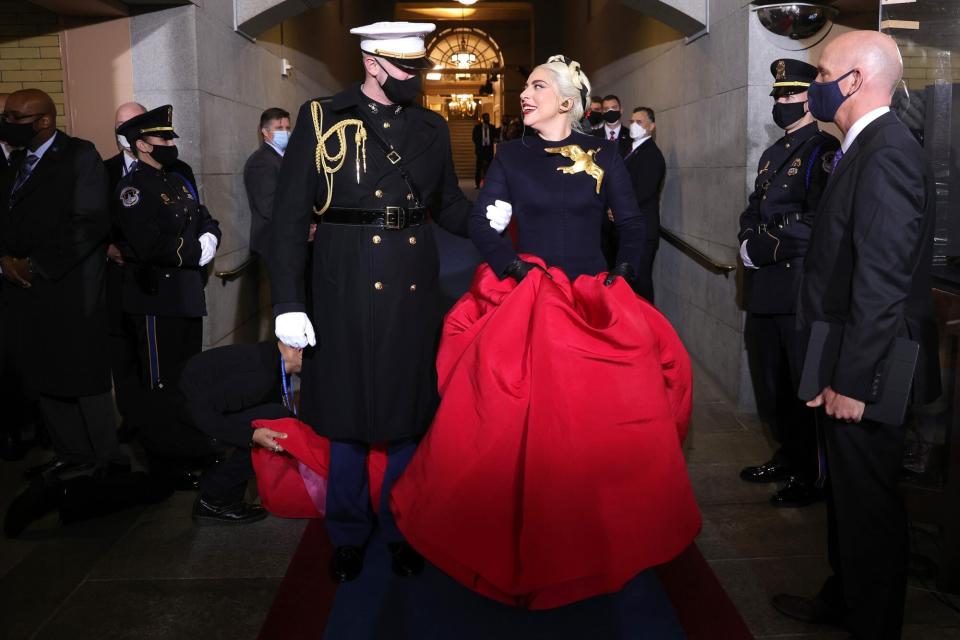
column 787, row 113
column 17, row 135
column 401, row 91
column 166, row 156
column 595, row 118
column 611, row 116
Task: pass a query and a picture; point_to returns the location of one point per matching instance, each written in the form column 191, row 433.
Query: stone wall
column 219, row 82
column 711, row 98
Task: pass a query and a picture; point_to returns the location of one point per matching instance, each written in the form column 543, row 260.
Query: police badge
column 781, row 70
column 130, row 196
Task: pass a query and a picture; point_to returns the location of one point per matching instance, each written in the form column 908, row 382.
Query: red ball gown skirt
column 553, row 470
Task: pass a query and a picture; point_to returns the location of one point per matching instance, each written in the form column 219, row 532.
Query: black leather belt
column 780, row 221
column 387, row 218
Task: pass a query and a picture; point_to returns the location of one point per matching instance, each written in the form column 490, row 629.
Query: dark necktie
column 612, row 136
column 23, row 173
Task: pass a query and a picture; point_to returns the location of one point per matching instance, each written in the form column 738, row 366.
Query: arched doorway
column 466, row 81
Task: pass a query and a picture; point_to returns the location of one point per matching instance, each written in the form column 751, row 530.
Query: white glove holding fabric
column 499, row 214
column 747, row 262
column 294, row 330
column 208, row 248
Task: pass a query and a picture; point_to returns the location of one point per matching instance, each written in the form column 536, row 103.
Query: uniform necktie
column 26, row 168
column 836, row 160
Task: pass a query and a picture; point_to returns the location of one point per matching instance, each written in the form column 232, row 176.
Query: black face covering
column 786, row 113
column 401, row 91
column 595, row 118
column 166, row 156
column 17, row 135
column 611, row 116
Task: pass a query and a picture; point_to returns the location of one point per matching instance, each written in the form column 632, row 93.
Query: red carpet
column 304, row 601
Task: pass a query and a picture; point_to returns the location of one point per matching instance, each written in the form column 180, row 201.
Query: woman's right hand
column 267, row 438
column 518, row 270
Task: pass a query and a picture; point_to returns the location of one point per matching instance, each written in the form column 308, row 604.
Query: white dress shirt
column 607, row 130
column 860, row 125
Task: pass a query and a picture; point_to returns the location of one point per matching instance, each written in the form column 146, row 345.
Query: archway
column 466, row 81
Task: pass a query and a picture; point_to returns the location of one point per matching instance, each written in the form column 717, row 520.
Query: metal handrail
column 696, row 254
column 233, row 273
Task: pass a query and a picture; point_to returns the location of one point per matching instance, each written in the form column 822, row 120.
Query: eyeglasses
column 7, row 116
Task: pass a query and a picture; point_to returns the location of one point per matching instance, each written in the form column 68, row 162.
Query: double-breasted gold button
column 412, row 240
column 409, row 196
column 413, row 287
column 378, row 193
column 386, row 125
column 377, row 239
column 378, row 286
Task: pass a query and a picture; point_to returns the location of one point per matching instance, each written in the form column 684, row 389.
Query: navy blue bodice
column 558, row 215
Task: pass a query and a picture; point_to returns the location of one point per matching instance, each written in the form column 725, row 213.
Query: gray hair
column 571, row 84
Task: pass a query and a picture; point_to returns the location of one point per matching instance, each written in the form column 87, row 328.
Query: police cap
column 791, row 76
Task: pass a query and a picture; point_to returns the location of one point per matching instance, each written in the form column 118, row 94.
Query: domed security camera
column 795, row 20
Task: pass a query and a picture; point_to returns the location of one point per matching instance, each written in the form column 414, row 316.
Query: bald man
column 868, row 270
column 54, row 224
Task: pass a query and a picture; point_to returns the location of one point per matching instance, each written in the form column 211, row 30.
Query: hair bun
column 576, row 75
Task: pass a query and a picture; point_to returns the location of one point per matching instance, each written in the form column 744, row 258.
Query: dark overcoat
column 376, row 303
column 60, row 219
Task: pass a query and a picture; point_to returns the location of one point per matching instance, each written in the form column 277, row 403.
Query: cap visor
column 411, row 64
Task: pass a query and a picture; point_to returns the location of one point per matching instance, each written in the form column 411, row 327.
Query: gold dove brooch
column 582, row 161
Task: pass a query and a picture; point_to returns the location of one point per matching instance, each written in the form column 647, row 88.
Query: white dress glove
column 208, row 248
column 499, row 214
column 747, row 262
column 294, row 330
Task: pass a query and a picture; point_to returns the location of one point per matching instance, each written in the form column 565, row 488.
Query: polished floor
column 150, row 573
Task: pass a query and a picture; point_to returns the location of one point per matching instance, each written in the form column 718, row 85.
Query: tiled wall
column 30, row 51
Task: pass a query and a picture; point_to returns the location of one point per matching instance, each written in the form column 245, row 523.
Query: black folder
column 896, row 376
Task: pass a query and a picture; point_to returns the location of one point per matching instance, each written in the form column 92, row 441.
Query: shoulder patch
column 130, row 196
column 828, row 161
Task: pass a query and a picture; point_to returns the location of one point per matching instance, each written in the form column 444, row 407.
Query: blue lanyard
column 287, row 391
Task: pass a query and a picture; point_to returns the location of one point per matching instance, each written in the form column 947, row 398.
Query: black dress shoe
column 209, row 512
column 809, row 610
column 797, row 493
column 771, row 471
column 406, row 561
column 347, row 563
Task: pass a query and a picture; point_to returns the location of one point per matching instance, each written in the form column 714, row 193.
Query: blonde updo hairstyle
column 572, row 87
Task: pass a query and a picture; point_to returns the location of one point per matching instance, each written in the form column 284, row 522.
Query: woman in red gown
column 553, row 470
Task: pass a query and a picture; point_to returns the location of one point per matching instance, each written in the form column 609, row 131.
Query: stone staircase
column 461, row 143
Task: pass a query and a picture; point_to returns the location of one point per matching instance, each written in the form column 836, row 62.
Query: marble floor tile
column 732, row 531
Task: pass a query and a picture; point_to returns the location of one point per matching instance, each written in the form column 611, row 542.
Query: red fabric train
column 553, row 470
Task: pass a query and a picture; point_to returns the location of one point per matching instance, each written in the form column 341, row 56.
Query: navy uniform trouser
column 349, row 514
column 774, row 347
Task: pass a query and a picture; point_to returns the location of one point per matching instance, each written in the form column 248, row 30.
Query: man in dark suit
column 867, row 269
column 647, row 169
column 261, row 173
column 375, row 278
column 54, row 225
column 612, row 129
column 484, row 135
column 226, row 389
column 774, row 234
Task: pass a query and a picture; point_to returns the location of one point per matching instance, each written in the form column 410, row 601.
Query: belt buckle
column 393, row 157
column 394, row 217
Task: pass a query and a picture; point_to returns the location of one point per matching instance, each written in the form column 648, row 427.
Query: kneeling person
column 226, row 389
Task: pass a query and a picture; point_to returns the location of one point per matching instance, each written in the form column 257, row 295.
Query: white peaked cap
column 395, row 40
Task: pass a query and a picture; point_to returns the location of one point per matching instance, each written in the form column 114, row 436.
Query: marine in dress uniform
column 169, row 238
column 378, row 170
column 774, row 233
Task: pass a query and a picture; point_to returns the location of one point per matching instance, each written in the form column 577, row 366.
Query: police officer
column 170, row 237
column 774, row 231
column 377, row 168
